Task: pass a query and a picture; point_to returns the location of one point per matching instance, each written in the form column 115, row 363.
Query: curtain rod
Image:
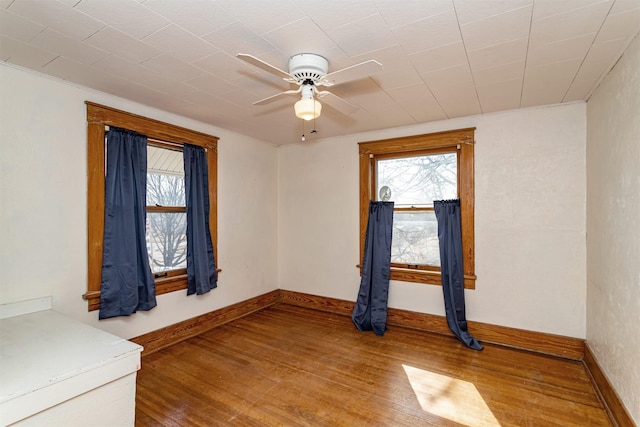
column 169, row 145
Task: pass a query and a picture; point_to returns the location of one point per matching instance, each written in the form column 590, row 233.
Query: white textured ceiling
column 441, row 58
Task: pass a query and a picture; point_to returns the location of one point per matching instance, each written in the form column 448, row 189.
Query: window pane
column 415, row 238
column 165, row 190
column 419, row 180
column 167, row 240
column 165, row 177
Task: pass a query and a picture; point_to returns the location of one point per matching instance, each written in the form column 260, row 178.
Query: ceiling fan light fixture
column 307, row 109
column 309, row 71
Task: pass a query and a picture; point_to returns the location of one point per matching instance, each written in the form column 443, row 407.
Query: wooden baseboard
column 169, row 335
column 332, row 305
column 610, row 399
column 539, row 342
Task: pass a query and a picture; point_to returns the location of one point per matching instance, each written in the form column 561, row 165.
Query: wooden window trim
column 460, row 139
column 100, row 116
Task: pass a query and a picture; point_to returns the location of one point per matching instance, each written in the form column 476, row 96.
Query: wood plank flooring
column 291, row 366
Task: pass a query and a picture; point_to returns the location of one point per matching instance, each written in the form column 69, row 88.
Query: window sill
column 424, row 276
column 164, row 285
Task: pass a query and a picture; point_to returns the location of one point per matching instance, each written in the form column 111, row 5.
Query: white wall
column 613, row 227
column 530, row 221
column 43, row 188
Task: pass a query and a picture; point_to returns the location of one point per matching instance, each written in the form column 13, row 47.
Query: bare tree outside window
column 166, row 212
column 415, row 182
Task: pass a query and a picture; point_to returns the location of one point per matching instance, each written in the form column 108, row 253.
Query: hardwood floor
column 291, row 366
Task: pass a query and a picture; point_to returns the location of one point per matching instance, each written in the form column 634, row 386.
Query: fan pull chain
column 314, row 112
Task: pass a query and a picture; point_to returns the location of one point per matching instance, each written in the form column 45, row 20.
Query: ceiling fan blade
column 340, row 104
column 353, row 72
column 265, row 66
column 277, row 95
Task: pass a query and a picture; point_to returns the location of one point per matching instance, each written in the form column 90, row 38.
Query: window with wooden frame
column 166, row 211
column 414, row 171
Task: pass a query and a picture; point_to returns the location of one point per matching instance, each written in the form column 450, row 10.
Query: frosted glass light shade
column 307, row 109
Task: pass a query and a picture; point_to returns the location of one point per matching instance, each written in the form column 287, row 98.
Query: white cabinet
column 56, row 371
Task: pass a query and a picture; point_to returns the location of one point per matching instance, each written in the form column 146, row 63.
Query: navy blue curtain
column 127, row 282
column 370, row 311
column 202, row 275
column 450, row 238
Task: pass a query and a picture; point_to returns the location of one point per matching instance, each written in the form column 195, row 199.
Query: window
column 166, row 211
column 166, row 223
column 417, row 170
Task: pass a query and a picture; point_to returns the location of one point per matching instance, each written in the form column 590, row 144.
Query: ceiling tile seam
column 27, row 44
column 558, row 41
column 493, row 16
column 466, row 54
column 107, row 54
column 526, row 57
column 193, row 63
column 155, row 74
column 584, row 58
column 610, row 68
column 497, row 44
column 47, row 27
column 220, row 29
column 426, row 85
column 65, row 76
column 277, row 48
column 314, row 23
column 122, row 32
column 349, row 24
column 419, row 20
column 152, row 58
column 371, row 112
column 169, row 21
column 546, row 64
column 237, row 19
column 207, row 92
column 434, row 96
column 197, row 37
column 282, row 26
column 157, row 31
column 413, row 65
column 222, row 49
column 413, row 22
column 572, row 11
column 44, row 27
column 231, row 81
column 49, row 62
column 399, row 104
column 95, row 32
column 88, row 16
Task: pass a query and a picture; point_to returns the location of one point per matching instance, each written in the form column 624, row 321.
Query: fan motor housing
column 308, row 66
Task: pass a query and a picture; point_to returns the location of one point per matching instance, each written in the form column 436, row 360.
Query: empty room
column 337, row 213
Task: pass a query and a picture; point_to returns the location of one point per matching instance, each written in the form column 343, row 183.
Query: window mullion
column 168, row 209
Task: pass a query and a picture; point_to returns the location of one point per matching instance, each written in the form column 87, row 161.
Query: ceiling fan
column 309, row 71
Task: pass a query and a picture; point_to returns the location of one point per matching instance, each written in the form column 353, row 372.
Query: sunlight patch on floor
column 450, row 398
